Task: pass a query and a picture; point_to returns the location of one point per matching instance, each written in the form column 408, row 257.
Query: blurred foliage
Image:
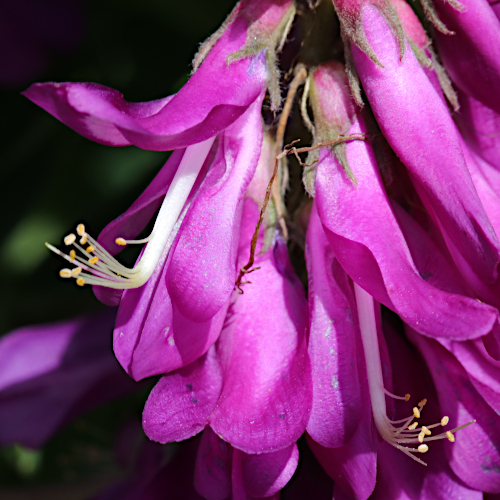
column 51, row 179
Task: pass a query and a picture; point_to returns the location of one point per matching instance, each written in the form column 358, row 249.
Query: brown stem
column 339, row 140
column 298, row 79
column 247, row 268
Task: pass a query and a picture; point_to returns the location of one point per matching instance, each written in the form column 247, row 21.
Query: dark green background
column 51, row 179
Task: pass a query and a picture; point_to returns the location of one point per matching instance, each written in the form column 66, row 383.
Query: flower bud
column 333, row 109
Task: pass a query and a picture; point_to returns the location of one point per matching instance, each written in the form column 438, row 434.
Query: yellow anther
column 426, row 431
column 423, row 448
column 94, row 260
column 444, row 421
column 90, row 249
column 450, row 436
column 416, row 412
column 422, row 403
column 80, row 229
column 120, row 241
column 75, row 272
column 70, row 239
column 413, row 426
column 72, row 255
column 421, row 437
column 84, row 239
column 407, row 397
column 80, row 282
column 65, row 273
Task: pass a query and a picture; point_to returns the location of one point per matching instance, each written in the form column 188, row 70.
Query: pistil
column 96, row 266
column 395, row 432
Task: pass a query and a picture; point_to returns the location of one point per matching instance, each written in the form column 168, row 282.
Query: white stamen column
column 175, row 199
column 101, row 267
column 368, row 327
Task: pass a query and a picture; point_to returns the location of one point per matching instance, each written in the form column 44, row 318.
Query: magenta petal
column 475, row 456
column 487, row 182
column 429, row 261
column 428, row 144
column 368, row 242
column 179, row 405
column 487, row 193
column 266, row 474
column 483, row 369
column 266, row 396
column 332, row 347
column 52, row 373
column 130, row 224
column 152, row 337
column 400, row 480
column 480, row 127
column 495, row 7
column 438, row 271
column 202, row 271
column 353, row 467
column 212, row 473
column 221, row 92
column 472, row 55
column 238, row 491
column 398, row 476
column 489, row 171
column 93, row 110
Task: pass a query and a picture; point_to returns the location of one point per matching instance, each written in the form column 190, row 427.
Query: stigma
column 94, row 265
column 406, row 434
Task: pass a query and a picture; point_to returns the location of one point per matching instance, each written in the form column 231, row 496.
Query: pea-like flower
column 398, row 248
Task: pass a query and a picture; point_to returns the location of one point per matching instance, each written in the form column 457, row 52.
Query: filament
column 397, row 433
column 96, row 266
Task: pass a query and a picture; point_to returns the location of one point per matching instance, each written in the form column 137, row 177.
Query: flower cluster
column 392, row 222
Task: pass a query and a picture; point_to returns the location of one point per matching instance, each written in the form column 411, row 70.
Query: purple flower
column 222, row 88
column 188, row 268
column 386, row 267
column 170, row 322
column 428, row 145
column 352, row 458
column 401, row 251
column 52, row 373
column 355, row 210
column 472, row 54
column 253, row 386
